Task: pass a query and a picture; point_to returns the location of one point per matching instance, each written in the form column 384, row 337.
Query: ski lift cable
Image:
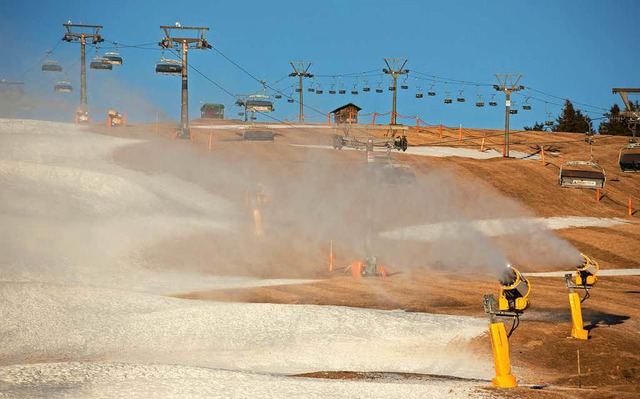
column 48, row 53
column 234, row 95
column 256, row 79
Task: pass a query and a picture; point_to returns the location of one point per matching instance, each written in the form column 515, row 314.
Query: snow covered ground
column 83, row 317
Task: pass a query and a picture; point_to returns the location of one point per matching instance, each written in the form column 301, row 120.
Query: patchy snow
column 494, row 227
column 71, row 292
column 431, row 151
column 125, row 380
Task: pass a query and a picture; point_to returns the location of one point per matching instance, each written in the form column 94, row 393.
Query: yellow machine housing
column 514, row 293
column 586, row 273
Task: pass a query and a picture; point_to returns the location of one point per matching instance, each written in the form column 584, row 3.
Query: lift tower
column 196, row 41
column 508, row 83
column 80, row 33
column 301, row 70
column 395, row 71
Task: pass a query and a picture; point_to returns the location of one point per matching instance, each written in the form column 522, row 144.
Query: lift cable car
column 513, row 110
column 629, row 157
column 113, row 57
column 167, row 66
column 50, row 65
column 583, row 174
column 354, row 89
column 404, row 85
column 447, row 99
column 432, row 92
column 366, row 86
column 549, row 121
column 341, row 89
column 63, row 86
column 100, row 63
column 460, row 97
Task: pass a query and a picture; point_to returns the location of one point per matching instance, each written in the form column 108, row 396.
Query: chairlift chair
column 319, row 91
column 342, row 91
column 366, row 89
column 448, row 99
column 51, row 66
column 113, row 58
column 311, row 89
column 297, row 90
column 168, row 66
column 493, row 103
column 379, row 90
column 332, row 91
column 392, row 88
column 582, row 174
column 419, row 95
column 100, row 64
column 513, row 111
column 479, row 104
column 404, row 87
column 289, row 100
column 629, row 158
column 63, row 87
column 526, row 107
column 278, row 96
column 548, row 123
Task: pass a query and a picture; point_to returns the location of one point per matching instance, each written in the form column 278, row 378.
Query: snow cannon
column 514, row 291
column 513, row 300
column 585, row 278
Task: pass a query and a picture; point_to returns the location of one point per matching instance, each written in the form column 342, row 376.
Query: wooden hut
column 209, row 110
column 348, row 113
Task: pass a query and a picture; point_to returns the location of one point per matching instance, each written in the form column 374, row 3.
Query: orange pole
column 441, row 130
column 460, row 133
column 542, row 155
column 417, row 121
column 630, row 207
column 210, row 138
column 482, row 145
column 328, row 117
column 597, row 195
column 373, row 120
column 331, row 257
column 107, row 122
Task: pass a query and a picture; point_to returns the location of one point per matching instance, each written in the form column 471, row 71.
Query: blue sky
column 568, row 49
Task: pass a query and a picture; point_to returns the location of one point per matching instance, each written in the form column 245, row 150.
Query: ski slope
column 83, row 317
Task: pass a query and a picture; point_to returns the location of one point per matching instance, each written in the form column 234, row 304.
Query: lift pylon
column 508, row 83
column 81, row 33
column 395, row 68
column 192, row 37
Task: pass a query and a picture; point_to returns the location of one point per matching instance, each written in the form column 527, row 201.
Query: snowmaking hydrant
column 513, row 300
column 585, row 278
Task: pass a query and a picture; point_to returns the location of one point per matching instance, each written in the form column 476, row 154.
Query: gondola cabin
column 348, row 113
column 212, row 111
